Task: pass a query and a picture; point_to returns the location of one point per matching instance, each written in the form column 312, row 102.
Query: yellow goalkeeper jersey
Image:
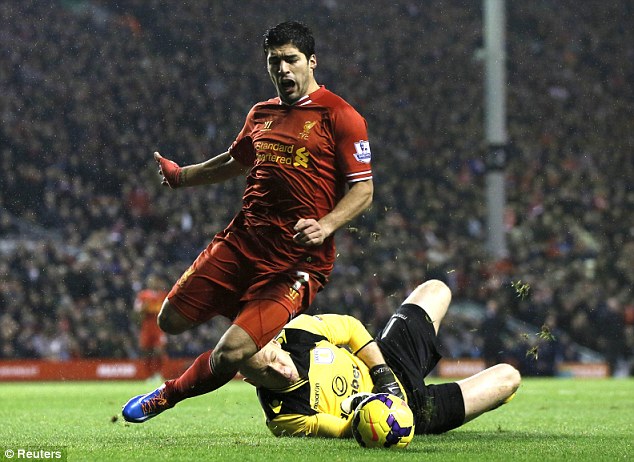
column 323, row 349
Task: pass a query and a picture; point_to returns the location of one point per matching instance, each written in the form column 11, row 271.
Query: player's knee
column 170, row 322
column 509, row 377
column 164, row 323
column 438, row 287
column 433, row 289
column 234, row 348
column 227, row 357
column 434, row 297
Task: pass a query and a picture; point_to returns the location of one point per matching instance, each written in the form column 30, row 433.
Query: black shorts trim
column 409, row 344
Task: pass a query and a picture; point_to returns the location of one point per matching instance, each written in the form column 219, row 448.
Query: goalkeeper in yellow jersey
column 310, row 378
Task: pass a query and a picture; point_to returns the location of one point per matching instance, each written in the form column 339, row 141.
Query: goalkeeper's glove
column 170, row 171
column 349, row 404
column 385, row 381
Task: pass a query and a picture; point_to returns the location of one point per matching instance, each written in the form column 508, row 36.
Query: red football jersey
column 302, row 157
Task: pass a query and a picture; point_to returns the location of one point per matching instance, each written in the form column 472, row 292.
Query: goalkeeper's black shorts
column 409, row 344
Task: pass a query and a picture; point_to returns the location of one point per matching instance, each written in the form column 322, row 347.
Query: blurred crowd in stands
column 91, row 88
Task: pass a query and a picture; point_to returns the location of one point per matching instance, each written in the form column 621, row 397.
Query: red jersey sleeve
column 352, row 146
column 242, row 148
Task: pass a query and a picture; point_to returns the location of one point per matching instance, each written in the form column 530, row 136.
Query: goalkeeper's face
column 271, row 367
column 291, row 72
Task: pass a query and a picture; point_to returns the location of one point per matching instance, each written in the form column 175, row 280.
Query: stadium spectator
column 152, row 340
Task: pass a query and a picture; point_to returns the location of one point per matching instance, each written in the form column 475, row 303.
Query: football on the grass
column 383, row 421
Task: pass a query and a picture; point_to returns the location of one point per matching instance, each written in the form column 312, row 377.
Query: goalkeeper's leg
column 489, row 389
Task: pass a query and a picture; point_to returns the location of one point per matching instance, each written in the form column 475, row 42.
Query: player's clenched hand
column 169, row 170
column 385, row 381
column 309, row 232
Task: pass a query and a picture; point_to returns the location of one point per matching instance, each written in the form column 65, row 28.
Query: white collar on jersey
column 303, row 101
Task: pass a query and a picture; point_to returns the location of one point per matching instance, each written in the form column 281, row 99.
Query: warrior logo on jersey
column 362, row 153
column 267, row 126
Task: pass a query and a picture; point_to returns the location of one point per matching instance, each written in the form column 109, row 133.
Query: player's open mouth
column 288, row 85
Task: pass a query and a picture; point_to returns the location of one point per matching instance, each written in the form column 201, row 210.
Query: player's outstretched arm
column 215, row 170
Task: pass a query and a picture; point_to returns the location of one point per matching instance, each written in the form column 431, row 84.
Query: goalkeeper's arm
column 320, row 424
column 382, row 376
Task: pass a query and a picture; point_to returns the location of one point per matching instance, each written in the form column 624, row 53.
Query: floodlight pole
column 495, row 123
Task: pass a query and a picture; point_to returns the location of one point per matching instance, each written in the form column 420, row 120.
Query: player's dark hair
column 292, row 32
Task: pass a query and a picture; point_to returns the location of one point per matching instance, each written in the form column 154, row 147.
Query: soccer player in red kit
column 152, row 340
column 307, row 160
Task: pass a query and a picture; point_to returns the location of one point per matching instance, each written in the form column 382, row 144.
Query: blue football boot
column 144, row 407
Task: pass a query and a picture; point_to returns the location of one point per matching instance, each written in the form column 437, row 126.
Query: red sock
column 198, row 379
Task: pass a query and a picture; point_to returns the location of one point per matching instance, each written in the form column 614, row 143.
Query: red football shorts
column 231, row 278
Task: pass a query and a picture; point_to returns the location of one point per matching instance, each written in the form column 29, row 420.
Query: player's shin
column 200, row 378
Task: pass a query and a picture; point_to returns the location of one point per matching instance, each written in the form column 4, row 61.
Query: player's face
column 271, row 367
column 291, row 72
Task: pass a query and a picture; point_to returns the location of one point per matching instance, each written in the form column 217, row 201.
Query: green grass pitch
column 550, row 419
